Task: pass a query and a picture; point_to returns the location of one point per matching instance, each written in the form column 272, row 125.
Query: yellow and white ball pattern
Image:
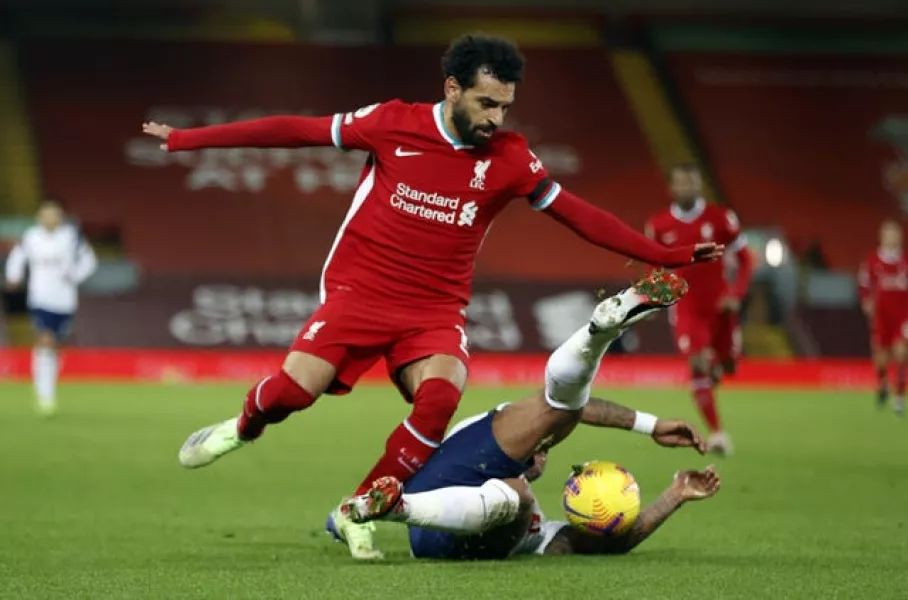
column 601, row 498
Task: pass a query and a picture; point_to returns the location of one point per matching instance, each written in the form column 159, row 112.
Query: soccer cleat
column 656, row 291
column 384, row 497
column 899, row 407
column 719, row 443
column 357, row 536
column 46, row 408
column 882, row 397
column 209, row 444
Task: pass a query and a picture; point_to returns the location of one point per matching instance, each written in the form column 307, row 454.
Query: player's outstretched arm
column 686, row 486
column 266, row 132
column 603, row 413
column 605, row 230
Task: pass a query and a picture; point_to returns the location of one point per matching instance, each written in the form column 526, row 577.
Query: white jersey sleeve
column 15, row 264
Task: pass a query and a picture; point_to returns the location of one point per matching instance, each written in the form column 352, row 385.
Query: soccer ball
column 601, row 498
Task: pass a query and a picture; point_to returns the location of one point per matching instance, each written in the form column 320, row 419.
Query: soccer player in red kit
column 705, row 322
column 883, row 284
column 398, row 277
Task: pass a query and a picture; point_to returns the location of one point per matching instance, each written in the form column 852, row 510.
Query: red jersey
column 703, row 223
column 883, row 279
column 424, row 204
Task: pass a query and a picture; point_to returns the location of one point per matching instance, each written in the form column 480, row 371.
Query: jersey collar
column 890, row 257
column 439, row 115
column 689, row 216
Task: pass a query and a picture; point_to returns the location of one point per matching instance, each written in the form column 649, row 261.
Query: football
column 601, row 498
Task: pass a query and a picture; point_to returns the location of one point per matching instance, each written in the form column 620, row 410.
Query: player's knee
column 311, row 373
column 699, row 364
column 45, row 339
column 502, row 503
column 434, row 404
column 278, row 396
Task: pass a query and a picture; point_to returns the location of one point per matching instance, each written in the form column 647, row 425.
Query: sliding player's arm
column 595, row 225
column 686, row 486
column 361, row 130
column 603, row 413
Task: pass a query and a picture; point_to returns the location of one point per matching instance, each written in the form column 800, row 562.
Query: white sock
column 459, row 509
column 44, row 374
column 572, row 367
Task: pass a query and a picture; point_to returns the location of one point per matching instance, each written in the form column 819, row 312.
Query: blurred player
column 706, row 323
column 883, row 284
column 472, row 499
column 399, row 275
column 58, row 260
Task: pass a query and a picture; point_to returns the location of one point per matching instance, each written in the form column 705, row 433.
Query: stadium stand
column 274, row 213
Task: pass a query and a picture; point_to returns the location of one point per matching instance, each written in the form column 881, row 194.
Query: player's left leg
column 429, row 367
column 50, row 329
column 900, row 357
column 881, row 368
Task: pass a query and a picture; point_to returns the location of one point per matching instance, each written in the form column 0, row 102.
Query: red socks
column 705, row 398
column 414, row 440
column 271, row 400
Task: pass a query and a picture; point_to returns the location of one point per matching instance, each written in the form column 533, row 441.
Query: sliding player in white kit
column 58, row 260
column 472, row 500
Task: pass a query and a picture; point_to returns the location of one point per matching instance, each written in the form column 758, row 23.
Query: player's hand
column 678, row 434
column 730, row 304
column 867, row 307
column 159, row 131
column 12, row 286
column 708, row 252
column 697, row 485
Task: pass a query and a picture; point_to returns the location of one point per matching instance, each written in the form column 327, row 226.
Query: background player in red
column 883, row 284
column 705, row 322
column 398, row 276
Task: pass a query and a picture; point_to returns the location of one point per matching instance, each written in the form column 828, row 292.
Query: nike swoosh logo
column 404, row 153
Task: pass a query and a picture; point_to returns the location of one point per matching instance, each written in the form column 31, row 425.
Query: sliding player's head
column 686, row 185
column 891, row 235
column 50, row 215
column 481, row 74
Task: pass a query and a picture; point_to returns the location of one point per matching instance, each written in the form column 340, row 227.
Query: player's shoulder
column 513, row 149
column 32, row 233
column 509, row 144
column 661, row 218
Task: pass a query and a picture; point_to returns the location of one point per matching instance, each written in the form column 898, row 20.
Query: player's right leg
column 900, row 357
column 301, row 380
column 881, row 368
column 463, row 510
column 49, row 328
column 523, row 426
column 694, row 335
column 317, row 354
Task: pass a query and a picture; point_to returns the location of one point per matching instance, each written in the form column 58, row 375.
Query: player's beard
column 466, row 131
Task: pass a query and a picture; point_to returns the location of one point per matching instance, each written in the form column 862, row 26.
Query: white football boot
column 210, row 443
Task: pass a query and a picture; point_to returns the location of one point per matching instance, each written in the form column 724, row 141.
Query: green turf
column 94, row 505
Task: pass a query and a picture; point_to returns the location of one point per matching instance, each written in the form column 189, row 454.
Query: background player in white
column 58, row 259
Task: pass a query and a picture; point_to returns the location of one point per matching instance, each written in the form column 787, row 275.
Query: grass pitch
column 94, row 505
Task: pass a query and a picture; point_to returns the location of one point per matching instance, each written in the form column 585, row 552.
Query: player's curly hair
column 469, row 53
